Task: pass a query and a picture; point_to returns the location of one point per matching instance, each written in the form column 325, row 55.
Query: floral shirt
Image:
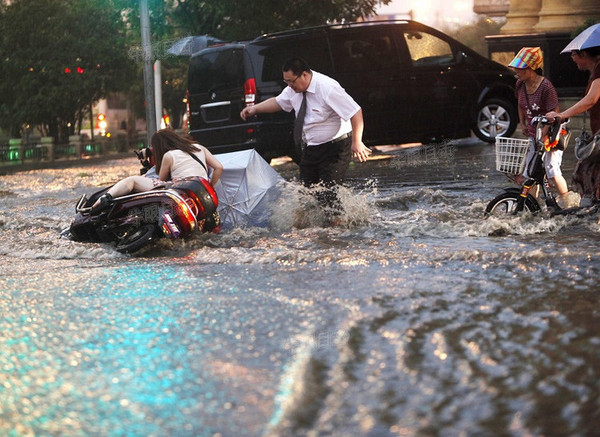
column 544, row 99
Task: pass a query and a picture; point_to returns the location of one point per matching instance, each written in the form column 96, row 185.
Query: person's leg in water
column 586, row 182
column 552, row 163
column 131, row 184
column 327, row 164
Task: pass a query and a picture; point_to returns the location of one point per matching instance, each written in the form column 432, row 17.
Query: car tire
column 495, row 118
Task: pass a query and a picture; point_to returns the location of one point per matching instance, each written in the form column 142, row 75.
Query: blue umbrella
column 587, row 39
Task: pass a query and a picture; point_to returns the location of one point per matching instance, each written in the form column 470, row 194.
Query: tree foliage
column 43, row 43
column 56, row 58
column 242, row 19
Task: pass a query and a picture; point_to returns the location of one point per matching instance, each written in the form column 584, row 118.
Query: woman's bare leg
column 131, row 184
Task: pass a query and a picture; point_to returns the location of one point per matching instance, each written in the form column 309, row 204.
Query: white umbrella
column 587, row 39
column 191, row 44
column 246, row 188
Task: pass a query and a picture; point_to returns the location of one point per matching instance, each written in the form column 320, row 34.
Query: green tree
column 243, row 19
column 57, row 57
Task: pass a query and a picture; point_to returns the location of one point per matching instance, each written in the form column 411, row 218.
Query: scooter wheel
column 137, row 239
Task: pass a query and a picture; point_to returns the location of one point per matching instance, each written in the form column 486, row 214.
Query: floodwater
column 415, row 318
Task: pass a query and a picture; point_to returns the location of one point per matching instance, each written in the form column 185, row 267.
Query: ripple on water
column 415, row 317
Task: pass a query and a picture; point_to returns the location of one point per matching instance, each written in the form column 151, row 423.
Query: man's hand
column 247, row 112
column 360, row 151
column 267, row 107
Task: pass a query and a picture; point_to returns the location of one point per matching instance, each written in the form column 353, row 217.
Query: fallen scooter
column 135, row 220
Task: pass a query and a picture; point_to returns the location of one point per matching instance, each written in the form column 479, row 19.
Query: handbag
column 587, row 146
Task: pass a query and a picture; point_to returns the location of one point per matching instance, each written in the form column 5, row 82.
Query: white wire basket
column 511, row 154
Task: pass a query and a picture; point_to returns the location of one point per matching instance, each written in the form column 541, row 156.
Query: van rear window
column 313, row 50
column 216, row 70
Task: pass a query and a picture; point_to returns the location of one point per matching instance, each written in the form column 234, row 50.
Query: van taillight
column 250, row 91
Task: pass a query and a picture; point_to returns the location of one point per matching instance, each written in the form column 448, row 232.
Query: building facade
column 548, row 24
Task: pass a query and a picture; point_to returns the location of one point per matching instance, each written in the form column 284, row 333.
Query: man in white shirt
column 331, row 124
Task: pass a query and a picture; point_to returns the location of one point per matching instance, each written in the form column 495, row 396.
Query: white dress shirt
column 329, row 109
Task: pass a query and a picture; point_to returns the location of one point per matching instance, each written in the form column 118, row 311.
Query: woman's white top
column 185, row 166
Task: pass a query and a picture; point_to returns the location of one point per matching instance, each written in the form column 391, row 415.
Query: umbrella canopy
column 191, row 44
column 587, row 39
column 246, row 188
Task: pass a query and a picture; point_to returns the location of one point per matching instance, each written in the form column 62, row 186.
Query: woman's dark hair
column 296, row 65
column 167, row 139
column 592, row 51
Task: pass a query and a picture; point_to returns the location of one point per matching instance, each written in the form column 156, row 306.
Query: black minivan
column 413, row 83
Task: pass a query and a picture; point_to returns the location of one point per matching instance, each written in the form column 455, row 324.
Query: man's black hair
column 296, row 65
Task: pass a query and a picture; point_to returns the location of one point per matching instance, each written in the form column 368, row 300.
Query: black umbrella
column 191, row 44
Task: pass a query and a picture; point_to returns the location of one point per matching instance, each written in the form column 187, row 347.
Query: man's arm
column 359, row 150
column 268, row 106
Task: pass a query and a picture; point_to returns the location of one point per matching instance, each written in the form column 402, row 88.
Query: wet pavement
column 416, row 317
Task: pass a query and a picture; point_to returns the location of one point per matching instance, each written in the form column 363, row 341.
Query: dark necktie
column 300, row 121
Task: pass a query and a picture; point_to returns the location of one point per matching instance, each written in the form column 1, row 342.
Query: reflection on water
column 416, row 317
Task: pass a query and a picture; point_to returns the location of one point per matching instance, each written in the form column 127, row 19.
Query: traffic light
column 101, row 123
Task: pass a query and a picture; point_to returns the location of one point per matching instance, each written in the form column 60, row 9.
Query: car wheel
column 495, row 118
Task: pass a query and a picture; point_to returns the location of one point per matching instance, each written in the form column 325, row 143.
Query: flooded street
column 416, row 318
